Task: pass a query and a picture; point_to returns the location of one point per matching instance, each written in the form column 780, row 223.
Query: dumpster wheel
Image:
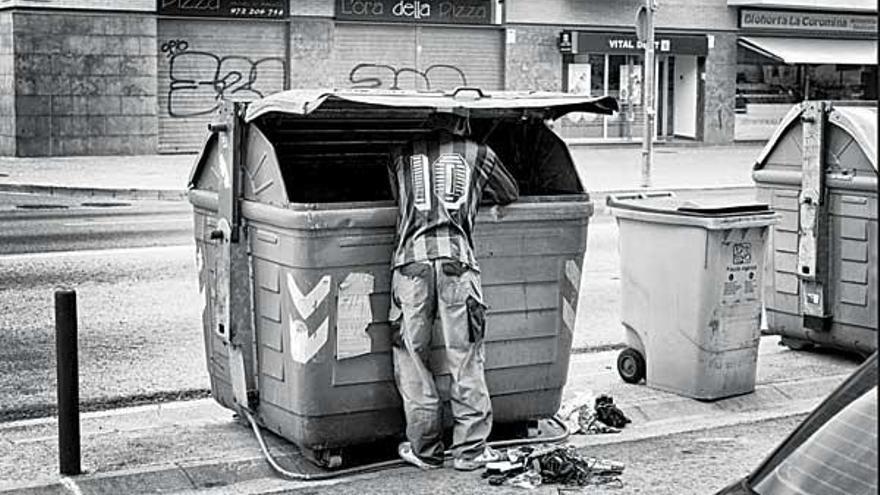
column 378, row 466
column 631, row 365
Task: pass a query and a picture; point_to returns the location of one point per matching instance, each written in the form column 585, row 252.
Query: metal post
column 648, row 92
column 68, row 382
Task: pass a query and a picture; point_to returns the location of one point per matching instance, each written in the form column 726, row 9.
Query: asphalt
column 198, row 446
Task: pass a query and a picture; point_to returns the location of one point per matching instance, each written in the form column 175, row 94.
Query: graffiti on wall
column 199, row 80
column 369, row 75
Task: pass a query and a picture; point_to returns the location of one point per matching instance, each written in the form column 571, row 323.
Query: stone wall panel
column 72, row 73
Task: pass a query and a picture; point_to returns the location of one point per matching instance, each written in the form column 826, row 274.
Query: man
column 439, row 181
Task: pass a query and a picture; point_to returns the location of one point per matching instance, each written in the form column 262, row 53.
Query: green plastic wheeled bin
column 690, row 293
column 819, row 171
column 294, row 228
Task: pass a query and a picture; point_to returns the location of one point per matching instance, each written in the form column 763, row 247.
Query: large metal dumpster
column 819, row 171
column 294, row 225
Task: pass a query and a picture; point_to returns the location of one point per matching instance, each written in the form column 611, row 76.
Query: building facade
column 81, row 77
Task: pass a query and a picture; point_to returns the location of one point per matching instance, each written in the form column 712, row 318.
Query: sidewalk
column 197, row 445
column 604, row 169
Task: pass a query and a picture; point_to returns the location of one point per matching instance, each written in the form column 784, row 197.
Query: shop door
column 685, row 92
column 416, row 57
column 202, row 61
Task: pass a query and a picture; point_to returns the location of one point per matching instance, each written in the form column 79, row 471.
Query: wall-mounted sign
column 787, row 20
column 567, row 42
column 628, row 44
column 259, row 9
column 416, row 11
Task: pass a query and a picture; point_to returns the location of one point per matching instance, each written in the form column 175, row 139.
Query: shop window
column 766, row 89
column 599, row 74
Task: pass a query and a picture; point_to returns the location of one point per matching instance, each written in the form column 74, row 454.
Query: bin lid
column 707, row 213
column 859, row 121
column 548, row 105
column 671, row 205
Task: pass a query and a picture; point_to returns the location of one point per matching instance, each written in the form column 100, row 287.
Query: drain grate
column 41, row 206
column 104, row 204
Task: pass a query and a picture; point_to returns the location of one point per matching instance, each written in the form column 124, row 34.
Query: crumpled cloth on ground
column 602, row 418
column 610, row 414
column 554, row 464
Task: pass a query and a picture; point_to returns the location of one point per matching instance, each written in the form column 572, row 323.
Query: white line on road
column 126, row 222
column 100, row 252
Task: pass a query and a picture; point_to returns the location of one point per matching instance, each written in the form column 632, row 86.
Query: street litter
column 529, row 467
column 610, row 414
column 602, row 418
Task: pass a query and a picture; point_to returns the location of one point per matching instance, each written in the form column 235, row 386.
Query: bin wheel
column 325, row 458
column 631, row 365
column 796, row 344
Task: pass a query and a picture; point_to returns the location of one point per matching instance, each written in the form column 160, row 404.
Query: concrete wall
column 321, row 8
column 311, row 52
column 85, row 83
column 683, row 14
column 720, row 90
column 532, row 58
column 7, row 86
column 117, row 5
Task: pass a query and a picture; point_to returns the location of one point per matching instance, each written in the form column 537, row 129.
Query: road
column 133, row 267
column 32, row 223
column 132, row 264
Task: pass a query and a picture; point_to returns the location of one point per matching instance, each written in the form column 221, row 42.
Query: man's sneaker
column 486, row 456
column 405, row 451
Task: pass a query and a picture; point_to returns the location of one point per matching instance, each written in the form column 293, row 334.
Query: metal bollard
column 66, row 357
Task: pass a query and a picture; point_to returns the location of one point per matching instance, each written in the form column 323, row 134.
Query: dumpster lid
column 860, row 122
column 668, row 204
column 549, row 105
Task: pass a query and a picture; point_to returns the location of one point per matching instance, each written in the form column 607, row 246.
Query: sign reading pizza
column 416, row 11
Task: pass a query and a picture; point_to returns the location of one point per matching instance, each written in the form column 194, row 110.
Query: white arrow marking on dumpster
column 303, row 346
column 306, row 304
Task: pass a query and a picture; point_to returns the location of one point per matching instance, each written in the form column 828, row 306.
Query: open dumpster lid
column 860, row 122
column 549, row 105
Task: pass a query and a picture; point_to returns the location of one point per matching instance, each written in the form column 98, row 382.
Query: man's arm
column 501, row 187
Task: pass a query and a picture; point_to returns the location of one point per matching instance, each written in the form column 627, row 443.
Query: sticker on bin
column 742, row 276
column 304, row 346
column 354, row 315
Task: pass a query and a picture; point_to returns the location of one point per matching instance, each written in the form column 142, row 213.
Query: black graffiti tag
column 198, row 80
column 367, row 75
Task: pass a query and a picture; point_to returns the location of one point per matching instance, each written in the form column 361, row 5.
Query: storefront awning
column 813, row 50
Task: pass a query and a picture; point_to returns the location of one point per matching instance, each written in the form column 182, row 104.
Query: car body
column 833, row 451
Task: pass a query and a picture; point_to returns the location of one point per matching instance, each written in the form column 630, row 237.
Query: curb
column 96, row 192
column 652, row 419
column 597, row 196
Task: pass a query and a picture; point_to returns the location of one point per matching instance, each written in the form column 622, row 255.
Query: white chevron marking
column 573, row 273
column 306, row 304
column 303, row 346
column 568, row 315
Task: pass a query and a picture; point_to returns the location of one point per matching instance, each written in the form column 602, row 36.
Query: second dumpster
column 819, row 170
column 295, row 224
column 690, row 293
